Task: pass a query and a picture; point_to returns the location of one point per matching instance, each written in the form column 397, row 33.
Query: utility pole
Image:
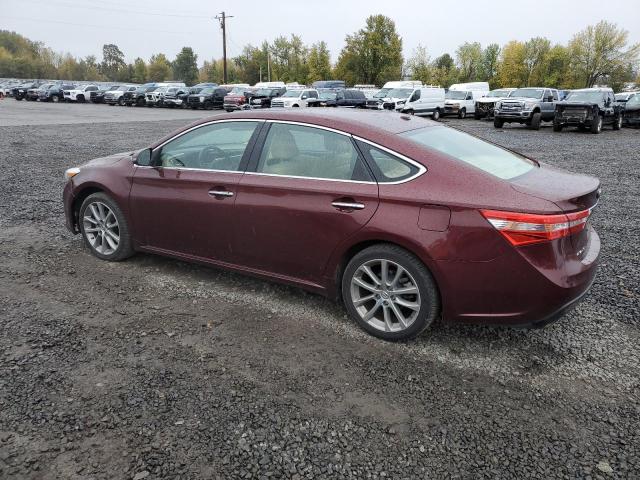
column 222, row 18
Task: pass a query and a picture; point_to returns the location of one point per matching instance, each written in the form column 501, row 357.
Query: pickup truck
column 527, row 106
column 79, row 94
column 116, row 94
column 294, row 98
column 588, row 108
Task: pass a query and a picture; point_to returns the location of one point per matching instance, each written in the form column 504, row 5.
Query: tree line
column 599, row 54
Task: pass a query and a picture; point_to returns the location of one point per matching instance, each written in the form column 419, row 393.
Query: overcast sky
column 144, row 27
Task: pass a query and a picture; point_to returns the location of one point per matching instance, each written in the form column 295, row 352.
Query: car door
column 547, row 106
column 306, row 191
column 183, row 202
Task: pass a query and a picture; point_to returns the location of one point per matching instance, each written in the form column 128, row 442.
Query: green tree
column 535, row 60
column 139, row 71
column 319, row 62
column 557, row 72
column 445, row 72
column 372, row 55
column 112, row 61
column 469, row 60
column 490, row 62
column 512, row 71
column 159, row 68
column 185, row 66
column 419, row 65
column 600, row 52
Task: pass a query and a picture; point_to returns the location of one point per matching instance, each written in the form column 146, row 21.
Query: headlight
column 69, row 173
column 529, row 105
column 498, row 104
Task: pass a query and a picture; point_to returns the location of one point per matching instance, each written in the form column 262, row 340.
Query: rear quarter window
column 466, row 148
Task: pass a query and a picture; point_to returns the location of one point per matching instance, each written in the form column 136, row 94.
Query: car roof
column 377, row 126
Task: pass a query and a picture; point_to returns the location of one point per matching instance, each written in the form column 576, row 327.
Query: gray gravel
column 154, row 368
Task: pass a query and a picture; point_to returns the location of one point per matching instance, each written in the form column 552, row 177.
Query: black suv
column 137, row 97
column 262, row 97
column 55, row 93
column 20, row 92
column 340, row 98
column 588, row 108
column 207, row 98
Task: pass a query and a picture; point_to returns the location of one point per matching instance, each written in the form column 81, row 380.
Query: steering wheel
column 172, row 161
column 209, row 155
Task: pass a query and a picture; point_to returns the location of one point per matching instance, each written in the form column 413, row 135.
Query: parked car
column 137, row 97
column 155, row 96
column 175, row 97
column 334, row 84
column 528, row 106
column 79, row 94
column 588, row 108
column 262, row 97
column 485, row 106
column 623, row 97
column 19, row 92
column 6, row 89
column 33, row 93
column 207, row 98
column 236, row 99
column 115, row 95
column 294, row 98
column 376, row 213
column 377, row 100
column 461, row 98
column 98, row 96
column 55, row 93
column 348, row 97
column 631, row 111
column 425, row 100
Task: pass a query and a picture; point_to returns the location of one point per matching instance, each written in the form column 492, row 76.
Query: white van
column 426, row 100
column 461, row 98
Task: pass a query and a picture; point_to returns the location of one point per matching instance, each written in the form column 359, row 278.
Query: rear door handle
column 220, row 193
column 348, row 205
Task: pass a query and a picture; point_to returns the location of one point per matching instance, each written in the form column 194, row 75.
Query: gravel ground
column 153, row 368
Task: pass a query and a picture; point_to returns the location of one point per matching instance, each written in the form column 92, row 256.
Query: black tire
column 121, row 101
column 125, row 248
column 617, row 123
column 55, row 98
column 536, row 118
column 19, row 99
column 476, row 115
column 498, row 122
column 462, row 113
column 228, row 110
column 208, row 106
column 140, row 102
column 80, row 98
column 557, row 127
column 428, row 291
column 436, row 115
column 596, row 127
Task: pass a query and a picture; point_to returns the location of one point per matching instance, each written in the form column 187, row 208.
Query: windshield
column 237, row 91
column 622, row 97
column 461, row 146
column 382, row 93
column 528, row 93
column 206, row 91
column 498, row 93
column 455, row 95
column 264, row 91
column 292, row 93
column 328, row 95
column 115, row 87
column 400, row 93
column 584, row 96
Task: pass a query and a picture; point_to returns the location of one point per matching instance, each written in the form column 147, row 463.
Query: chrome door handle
column 348, row 205
column 220, row 193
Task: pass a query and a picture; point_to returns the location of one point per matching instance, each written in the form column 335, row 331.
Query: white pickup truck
column 80, row 94
column 116, row 94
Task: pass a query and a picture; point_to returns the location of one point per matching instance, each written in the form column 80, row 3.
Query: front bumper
column 515, row 116
column 67, row 200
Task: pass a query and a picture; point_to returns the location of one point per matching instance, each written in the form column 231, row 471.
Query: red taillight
column 526, row 228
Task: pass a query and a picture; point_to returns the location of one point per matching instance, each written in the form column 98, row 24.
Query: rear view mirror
column 143, row 158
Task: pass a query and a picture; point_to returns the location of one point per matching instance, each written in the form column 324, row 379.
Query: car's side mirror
column 143, row 158
column 304, row 97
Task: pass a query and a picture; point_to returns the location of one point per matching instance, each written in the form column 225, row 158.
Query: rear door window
column 466, row 148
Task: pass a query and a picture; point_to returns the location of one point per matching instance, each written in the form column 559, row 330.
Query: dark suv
column 137, row 97
column 588, row 108
column 55, row 93
column 528, row 106
column 207, row 98
column 262, row 97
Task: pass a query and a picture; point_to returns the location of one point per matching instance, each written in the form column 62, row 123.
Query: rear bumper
column 511, row 290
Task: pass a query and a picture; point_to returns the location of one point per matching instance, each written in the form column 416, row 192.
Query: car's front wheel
column 617, row 123
column 104, row 228
column 596, row 125
column 390, row 293
column 436, row 114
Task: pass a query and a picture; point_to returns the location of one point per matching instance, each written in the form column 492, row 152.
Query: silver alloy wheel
column 101, row 228
column 385, row 295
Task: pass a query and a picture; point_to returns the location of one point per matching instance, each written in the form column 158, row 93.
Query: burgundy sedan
column 404, row 219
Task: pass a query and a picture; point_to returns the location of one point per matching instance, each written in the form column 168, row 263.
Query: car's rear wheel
column 390, row 293
column 617, row 123
column 104, row 228
column 436, row 114
column 121, row 101
column 462, row 113
column 596, row 125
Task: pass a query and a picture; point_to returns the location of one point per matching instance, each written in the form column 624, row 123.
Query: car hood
column 490, row 99
column 109, row 160
column 576, row 104
column 521, row 99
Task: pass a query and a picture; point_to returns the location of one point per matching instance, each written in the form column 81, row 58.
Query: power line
column 117, row 10
column 108, row 27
